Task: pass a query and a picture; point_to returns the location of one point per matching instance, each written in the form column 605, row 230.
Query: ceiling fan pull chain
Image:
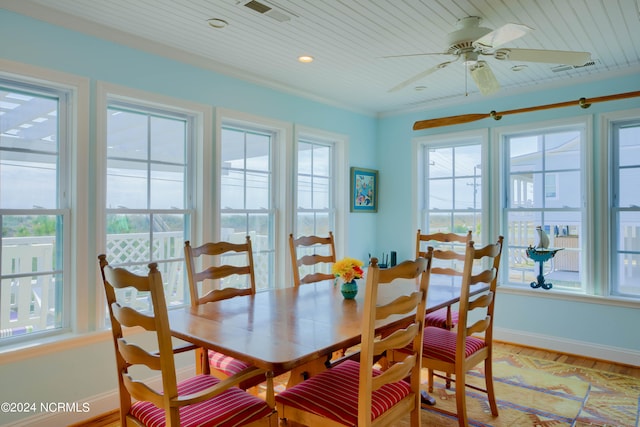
column 466, row 76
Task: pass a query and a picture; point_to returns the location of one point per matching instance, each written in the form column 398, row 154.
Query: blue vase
column 349, row 290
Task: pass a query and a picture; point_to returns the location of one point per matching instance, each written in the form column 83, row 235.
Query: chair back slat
column 446, row 271
column 213, row 273
column 312, row 267
column 438, row 240
column 402, row 304
column 397, row 372
column 479, row 326
column 130, row 317
column 316, row 277
column 397, row 339
column 136, row 355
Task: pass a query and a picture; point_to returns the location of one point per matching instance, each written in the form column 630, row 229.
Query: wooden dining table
column 292, row 329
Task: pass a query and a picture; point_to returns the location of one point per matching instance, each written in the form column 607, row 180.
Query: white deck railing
column 28, row 292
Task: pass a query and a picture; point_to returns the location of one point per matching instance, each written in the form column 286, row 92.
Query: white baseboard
column 564, row 345
column 98, row 405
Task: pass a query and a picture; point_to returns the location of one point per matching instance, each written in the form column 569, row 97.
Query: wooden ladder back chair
column 456, row 352
column 302, row 245
column 357, row 393
column 187, row 403
column 210, row 361
column 445, row 317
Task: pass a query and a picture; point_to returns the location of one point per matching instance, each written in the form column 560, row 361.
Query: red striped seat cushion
column 438, row 318
column 233, row 407
column 226, row 364
column 438, row 343
column 334, row 394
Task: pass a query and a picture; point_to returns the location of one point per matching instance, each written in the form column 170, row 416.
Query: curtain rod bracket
column 583, row 103
column 495, row 115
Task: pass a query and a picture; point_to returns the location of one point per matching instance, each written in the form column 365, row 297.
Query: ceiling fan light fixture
column 484, row 78
column 470, row 58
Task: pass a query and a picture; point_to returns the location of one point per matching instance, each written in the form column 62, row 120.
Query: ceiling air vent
column 269, row 9
column 559, row 68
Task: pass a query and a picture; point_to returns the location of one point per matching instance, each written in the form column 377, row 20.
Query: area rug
column 613, row 400
column 538, row 393
column 525, row 398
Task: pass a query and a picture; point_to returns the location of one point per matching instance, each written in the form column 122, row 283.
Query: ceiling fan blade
column 408, row 55
column 500, row 36
column 546, row 56
column 484, row 78
column 419, row 76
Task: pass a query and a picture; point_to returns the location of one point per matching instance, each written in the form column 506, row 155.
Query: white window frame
column 73, row 155
column 587, row 183
column 198, row 193
column 605, row 234
column 455, row 139
column 340, row 174
column 281, row 169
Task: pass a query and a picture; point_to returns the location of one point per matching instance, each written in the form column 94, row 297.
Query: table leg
column 270, row 398
column 309, row 369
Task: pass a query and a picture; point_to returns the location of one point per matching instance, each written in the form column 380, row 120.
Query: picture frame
column 364, row 190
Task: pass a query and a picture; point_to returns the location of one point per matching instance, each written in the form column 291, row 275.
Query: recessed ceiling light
column 305, row 59
column 518, row 67
column 217, row 23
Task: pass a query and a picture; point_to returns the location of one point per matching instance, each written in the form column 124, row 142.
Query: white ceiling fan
column 470, row 42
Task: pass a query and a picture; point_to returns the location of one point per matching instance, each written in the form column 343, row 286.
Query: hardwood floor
column 111, row 419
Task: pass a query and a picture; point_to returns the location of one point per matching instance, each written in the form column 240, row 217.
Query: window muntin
column 451, row 202
column 315, row 180
column 544, row 178
column 315, row 214
column 246, row 196
column 146, row 194
column 625, row 224
column 453, row 188
column 34, row 285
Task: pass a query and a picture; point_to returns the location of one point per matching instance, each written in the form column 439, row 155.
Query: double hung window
column 452, row 187
column 315, row 184
column 147, row 209
column 246, row 195
column 543, row 185
column 34, row 209
column 625, row 208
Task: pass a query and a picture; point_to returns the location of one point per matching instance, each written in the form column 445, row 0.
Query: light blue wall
column 596, row 323
column 70, row 375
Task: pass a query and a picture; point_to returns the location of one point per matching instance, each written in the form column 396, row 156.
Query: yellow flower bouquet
column 348, row 269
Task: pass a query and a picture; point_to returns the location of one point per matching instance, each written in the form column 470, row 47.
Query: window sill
column 570, row 296
column 54, row 344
